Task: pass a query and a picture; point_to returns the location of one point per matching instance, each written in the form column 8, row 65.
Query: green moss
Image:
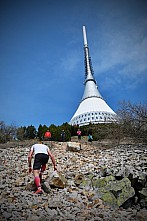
column 90, row 176
column 102, row 182
column 85, row 183
column 63, row 179
column 109, row 199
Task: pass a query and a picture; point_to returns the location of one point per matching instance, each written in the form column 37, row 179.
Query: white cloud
column 124, row 52
column 70, row 62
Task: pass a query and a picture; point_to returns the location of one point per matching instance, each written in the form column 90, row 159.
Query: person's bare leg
column 43, row 168
column 37, row 180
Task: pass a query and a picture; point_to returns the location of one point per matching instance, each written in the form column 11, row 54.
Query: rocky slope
column 95, row 182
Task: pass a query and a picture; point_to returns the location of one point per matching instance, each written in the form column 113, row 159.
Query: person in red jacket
column 47, row 135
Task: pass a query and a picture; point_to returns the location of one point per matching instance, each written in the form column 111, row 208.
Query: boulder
column 78, row 179
column 31, row 186
column 57, row 181
column 143, row 197
column 100, row 182
column 73, row 146
column 46, row 187
column 113, row 192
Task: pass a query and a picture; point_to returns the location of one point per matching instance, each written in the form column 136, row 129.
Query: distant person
column 90, row 138
column 42, row 154
column 79, row 134
column 63, row 136
column 47, row 135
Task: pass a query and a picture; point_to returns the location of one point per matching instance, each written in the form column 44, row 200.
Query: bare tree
column 134, row 118
column 7, row 133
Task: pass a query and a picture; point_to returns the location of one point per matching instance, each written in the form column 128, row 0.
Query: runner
column 42, row 154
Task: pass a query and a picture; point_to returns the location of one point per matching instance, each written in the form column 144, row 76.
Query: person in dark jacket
column 63, row 136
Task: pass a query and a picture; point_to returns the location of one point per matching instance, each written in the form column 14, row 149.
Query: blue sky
column 42, row 57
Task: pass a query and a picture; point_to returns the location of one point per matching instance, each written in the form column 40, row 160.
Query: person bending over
column 42, row 154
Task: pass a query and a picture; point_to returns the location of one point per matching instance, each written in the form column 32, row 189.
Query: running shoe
column 39, row 191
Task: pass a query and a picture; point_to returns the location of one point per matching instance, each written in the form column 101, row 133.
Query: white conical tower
column 92, row 109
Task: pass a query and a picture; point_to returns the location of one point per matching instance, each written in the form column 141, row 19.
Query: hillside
column 101, row 181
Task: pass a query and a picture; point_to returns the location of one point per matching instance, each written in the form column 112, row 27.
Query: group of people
column 41, row 154
column 48, row 136
column 79, row 133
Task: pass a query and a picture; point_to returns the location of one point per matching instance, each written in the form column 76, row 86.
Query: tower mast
column 92, row 108
column 90, row 83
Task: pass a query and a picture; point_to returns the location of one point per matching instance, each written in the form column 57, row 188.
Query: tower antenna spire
column 84, row 35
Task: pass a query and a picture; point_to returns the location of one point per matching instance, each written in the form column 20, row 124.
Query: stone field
column 94, row 182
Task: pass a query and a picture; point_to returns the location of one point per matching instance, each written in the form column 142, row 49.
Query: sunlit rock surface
column 97, row 182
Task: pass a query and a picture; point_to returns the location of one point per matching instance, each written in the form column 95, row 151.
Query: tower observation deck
column 92, row 108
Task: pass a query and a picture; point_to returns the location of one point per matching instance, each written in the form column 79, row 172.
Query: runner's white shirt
column 40, row 148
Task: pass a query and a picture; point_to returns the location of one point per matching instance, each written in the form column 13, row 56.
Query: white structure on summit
column 92, row 109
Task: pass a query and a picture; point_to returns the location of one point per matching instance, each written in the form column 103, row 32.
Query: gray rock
column 92, row 179
column 73, row 146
